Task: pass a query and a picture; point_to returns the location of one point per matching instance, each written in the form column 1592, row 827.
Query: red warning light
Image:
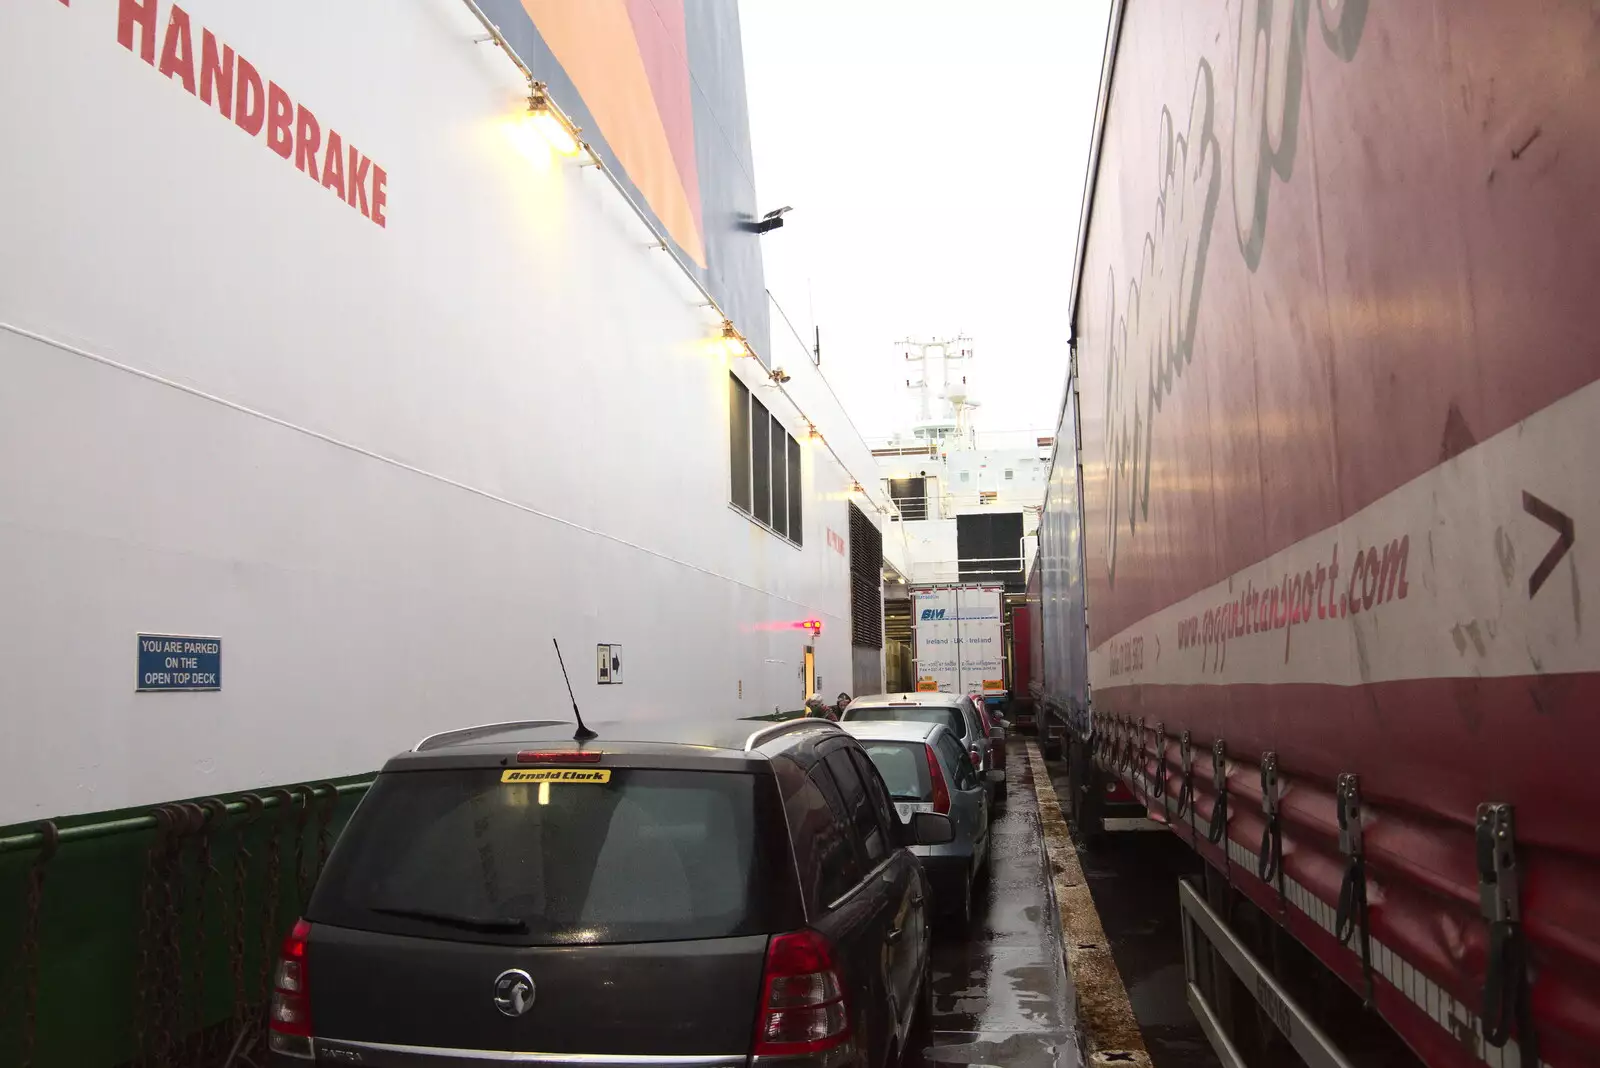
column 813, row 625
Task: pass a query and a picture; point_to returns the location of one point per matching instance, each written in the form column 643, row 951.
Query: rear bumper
column 385, row 1055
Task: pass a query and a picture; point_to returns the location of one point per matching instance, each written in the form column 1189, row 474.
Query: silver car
column 956, row 711
column 926, row 769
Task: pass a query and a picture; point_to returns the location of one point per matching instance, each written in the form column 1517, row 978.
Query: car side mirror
column 929, row 829
column 996, row 775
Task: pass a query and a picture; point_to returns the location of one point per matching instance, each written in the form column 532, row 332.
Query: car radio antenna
column 582, row 734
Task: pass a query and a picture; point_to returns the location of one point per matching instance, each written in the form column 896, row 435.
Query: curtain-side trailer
column 1318, row 509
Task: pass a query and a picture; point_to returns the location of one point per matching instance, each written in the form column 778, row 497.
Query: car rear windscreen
column 632, row 855
column 950, row 717
column 903, row 767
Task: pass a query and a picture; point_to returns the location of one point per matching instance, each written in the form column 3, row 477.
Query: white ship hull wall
column 385, row 465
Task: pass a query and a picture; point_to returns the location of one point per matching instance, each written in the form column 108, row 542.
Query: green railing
column 147, row 938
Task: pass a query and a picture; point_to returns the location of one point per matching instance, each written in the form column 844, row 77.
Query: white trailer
column 960, row 638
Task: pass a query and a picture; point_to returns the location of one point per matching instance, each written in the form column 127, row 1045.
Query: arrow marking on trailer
column 1558, row 521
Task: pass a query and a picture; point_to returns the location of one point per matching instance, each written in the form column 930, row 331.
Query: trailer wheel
column 1086, row 792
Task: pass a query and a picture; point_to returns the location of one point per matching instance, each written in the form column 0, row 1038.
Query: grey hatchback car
column 700, row 896
column 926, row 770
column 954, row 710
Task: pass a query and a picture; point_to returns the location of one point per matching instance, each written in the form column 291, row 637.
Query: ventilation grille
column 866, row 582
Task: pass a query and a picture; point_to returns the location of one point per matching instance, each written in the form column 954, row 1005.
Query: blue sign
column 932, row 613
column 177, row 662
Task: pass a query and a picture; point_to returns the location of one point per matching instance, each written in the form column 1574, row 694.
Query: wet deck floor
column 1001, row 995
column 1133, row 878
column 1000, row 989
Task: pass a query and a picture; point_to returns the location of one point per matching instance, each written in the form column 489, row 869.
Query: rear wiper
column 508, row 924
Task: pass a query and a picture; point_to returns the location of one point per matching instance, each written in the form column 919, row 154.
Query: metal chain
column 211, row 812
column 145, row 971
column 167, row 957
column 269, row 903
column 30, row 939
column 325, row 827
column 301, row 816
column 160, row 1015
column 191, row 820
column 241, row 880
column 169, row 979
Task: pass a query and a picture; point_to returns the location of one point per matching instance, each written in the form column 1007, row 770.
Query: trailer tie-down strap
column 1269, row 866
column 1141, row 768
column 1352, row 912
column 1186, row 787
column 1160, row 785
column 1506, row 997
column 1218, row 829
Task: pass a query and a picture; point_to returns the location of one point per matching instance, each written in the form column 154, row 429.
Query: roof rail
column 766, row 734
column 465, row 734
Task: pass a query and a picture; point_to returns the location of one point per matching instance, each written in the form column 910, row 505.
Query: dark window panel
column 780, row 479
column 910, row 495
column 739, row 442
column 761, row 460
column 796, row 526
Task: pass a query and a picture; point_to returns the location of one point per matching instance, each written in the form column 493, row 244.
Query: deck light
column 733, row 342
column 557, row 130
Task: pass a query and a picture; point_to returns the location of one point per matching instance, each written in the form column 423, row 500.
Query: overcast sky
column 934, row 154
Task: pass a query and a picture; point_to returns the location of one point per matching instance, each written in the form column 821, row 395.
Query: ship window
column 763, row 465
column 739, row 442
column 761, row 459
column 910, row 496
column 796, row 530
column 1010, row 474
column 966, row 476
column 780, row 479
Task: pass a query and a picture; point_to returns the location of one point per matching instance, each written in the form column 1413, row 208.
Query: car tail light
column 289, row 1019
column 941, row 792
column 559, row 756
column 977, row 757
column 803, row 1008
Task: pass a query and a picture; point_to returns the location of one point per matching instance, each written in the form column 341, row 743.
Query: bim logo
column 932, row 613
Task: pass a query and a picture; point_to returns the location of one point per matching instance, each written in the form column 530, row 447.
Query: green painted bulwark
column 167, row 920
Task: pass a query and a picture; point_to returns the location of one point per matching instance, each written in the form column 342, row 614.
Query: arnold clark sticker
column 556, row 775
